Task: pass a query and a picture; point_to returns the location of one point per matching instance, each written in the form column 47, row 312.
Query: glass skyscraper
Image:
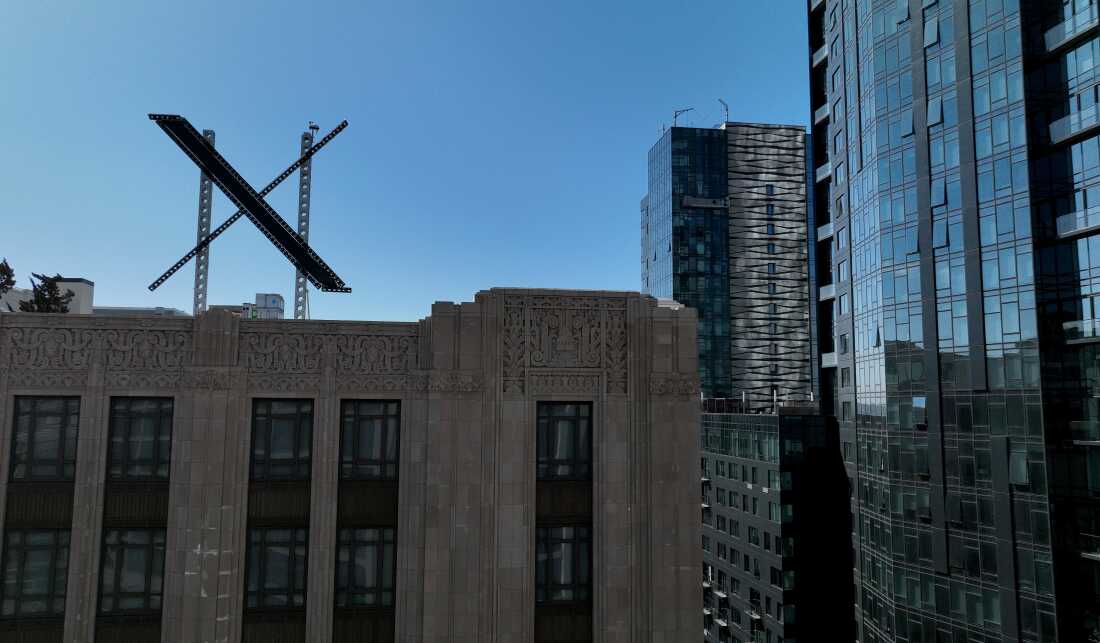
column 723, row 230
column 956, row 147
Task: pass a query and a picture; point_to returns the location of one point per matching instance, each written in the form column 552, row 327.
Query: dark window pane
column 44, row 443
column 35, row 569
column 140, row 438
column 564, row 440
column 370, row 439
column 276, row 568
column 365, row 571
column 131, row 570
column 282, row 434
column 563, row 564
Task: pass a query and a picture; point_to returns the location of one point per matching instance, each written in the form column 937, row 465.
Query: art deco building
column 956, row 148
column 724, row 231
column 517, row 468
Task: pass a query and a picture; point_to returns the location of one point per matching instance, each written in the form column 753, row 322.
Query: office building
column 724, row 231
column 956, row 164
column 266, row 306
column 508, row 469
column 773, row 487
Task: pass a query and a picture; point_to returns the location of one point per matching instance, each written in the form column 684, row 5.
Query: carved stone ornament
column 572, row 383
column 68, row 348
column 284, row 382
column 281, row 352
column 564, row 332
column 147, row 349
column 142, row 379
column 18, row 378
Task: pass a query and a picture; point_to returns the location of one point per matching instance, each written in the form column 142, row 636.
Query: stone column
column 86, row 541
column 323, row 491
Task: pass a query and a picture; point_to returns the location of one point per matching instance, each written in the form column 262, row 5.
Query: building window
column 771, row 268
column 771, row 228
column 370, row 439
column 36, row 568
column 282, row 438
column 141, row 438
column 564, row 441
column 44, row 440
column 276, row 568
column 563, row 567
column 771, row 248
column 131, row 575
column 771, row 288
column 365, row 567
column 769, row 189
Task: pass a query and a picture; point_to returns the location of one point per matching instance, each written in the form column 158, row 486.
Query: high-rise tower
column 957, row 166
column 724, row 231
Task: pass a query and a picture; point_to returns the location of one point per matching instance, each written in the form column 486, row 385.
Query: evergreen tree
column 7, row 277
column 7, row 280
column 46, row 296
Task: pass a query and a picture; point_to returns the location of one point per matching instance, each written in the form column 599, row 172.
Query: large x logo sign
column 233, row 185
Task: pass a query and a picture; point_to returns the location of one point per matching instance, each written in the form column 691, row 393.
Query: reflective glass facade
column 954, row 168
column 724, row 231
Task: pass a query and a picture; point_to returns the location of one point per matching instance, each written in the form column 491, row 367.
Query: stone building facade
column 466, row 494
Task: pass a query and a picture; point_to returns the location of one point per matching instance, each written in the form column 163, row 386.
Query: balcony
column 1090, row 546
column 826, row 292
column 1076, row 125
column 825, row 232
column 828, row 360
column 1072, row 30
column 821, row 114
column 1077, row 224
column 1084, row 331
column 821, row 55
column 824, row 172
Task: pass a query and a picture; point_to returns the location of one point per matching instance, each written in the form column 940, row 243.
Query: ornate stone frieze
column 57, row 348
column 281, row 352
column 575, row 383
column 284, row 382
column 373, row 353
column 375, row 382
column 147, row 349
column 564, row 332
column 210, row 378
column 674, row 385
column 142, row 379
column 19, row 378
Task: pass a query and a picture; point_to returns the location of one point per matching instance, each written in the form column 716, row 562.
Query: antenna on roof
column 726, row 107
column 676, row 114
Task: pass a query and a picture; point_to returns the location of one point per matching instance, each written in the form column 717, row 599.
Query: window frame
column 345, row 589
column 164, row 430
column 582, row 541
column 353, row 467
column 256, row 562
column 579, row 466
column 259, row 469
column 64, row 461
column 152, row 549
column 60, row 548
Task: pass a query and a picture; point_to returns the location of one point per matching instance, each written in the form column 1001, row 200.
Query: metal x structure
column 250, row 203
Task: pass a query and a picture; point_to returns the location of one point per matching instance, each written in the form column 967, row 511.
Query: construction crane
column 258, row 211
column 202, row 258
column 305, row 179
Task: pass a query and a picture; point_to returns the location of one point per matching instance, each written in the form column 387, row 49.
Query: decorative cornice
column 22, row 378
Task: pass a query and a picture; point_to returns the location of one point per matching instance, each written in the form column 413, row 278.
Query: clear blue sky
column 492, row 142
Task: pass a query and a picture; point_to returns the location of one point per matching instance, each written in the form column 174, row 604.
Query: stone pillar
column 86, row 541
column 324, row 490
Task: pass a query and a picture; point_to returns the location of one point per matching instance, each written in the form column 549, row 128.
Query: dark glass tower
column 956, row 153
column 724, row 231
